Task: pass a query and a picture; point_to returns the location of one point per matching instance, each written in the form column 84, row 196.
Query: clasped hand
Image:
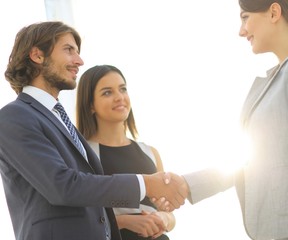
column 167, row 191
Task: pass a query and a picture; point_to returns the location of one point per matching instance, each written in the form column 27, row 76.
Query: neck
column 280, row 42
column 111, row 135
column 39, row 82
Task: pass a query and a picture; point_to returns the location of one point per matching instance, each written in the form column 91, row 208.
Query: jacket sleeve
column 36, row 155
column 206, row 183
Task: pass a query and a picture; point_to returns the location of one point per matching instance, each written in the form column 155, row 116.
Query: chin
column 258, row 50
column 67, row 85
column 254, row 50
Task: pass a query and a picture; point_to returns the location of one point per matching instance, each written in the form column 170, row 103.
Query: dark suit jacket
column 52, row 192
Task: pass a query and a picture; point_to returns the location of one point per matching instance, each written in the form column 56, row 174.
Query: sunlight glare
column 239, row 152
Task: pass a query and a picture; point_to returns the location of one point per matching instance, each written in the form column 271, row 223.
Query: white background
column 188, row 73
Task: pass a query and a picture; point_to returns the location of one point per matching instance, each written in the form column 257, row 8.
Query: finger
column 157, row 234
column 153, row 230
column 165, row 208
column 177, row 201
column 159, row 203
column 167, row 178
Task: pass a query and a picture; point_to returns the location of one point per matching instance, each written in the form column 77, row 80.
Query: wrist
column 147, row 184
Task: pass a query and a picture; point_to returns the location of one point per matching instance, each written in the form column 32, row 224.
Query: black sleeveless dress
column 128, row 159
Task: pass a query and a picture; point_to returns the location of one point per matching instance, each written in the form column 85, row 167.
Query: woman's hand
column 146, row 225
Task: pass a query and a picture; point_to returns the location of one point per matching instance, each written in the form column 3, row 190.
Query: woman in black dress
column 104, row 116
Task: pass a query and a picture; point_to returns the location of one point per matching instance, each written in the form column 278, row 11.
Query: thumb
column 167, row 178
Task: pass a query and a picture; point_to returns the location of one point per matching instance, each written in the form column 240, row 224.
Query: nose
column 118, row 96
column 242, row 31
column 78, row 60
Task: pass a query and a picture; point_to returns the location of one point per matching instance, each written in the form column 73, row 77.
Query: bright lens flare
column 239, row 153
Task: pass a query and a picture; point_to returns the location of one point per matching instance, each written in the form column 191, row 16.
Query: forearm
column 206, row 183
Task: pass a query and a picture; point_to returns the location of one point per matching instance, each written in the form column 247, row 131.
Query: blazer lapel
column 256, row 93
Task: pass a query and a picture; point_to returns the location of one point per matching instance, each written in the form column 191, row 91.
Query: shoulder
column 153, row 153
column 95, row 147
column 16, row 111
column 146, row 149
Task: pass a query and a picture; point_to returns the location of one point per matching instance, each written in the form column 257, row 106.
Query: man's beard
column 54, row 79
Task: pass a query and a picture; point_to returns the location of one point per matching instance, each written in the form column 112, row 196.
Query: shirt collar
column 41, row 96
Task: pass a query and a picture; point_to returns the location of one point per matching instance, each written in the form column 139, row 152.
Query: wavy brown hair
column 21, row 70
column 85, row 119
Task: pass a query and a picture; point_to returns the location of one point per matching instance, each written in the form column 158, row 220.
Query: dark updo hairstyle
column 263, row 5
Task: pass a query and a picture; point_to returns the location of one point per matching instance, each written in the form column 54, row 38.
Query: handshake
column 167, row 191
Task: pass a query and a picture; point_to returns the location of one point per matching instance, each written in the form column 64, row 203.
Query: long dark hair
column 85, row 120
column 21, row 70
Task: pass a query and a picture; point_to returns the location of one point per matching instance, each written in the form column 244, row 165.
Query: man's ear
column 36, row 55
column 276, row 12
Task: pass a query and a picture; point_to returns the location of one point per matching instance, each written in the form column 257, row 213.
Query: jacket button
column 102, row 219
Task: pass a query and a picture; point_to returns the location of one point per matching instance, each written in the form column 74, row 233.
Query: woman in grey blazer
column 262, row 184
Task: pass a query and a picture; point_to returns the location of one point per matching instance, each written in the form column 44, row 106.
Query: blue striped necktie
column 70, row 127
column 74, row 134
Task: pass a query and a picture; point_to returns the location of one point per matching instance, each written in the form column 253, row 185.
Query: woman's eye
column 106, row 93
column 123, row 89
column 244, row 18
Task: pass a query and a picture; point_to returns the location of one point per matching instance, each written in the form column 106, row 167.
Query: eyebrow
column 104, row 88
column 69, row 45
column 108, row 88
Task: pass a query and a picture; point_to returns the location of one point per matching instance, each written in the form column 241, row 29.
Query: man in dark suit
column 53, row 181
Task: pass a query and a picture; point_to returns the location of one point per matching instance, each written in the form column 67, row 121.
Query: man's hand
column 162, row 203
column 170, row 186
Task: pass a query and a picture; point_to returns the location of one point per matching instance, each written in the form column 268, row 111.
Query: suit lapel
column 256, row 93
column 50, row 116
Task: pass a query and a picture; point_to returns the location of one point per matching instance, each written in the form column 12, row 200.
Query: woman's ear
column 276, row 12
column 36, row 55
column 92, row 109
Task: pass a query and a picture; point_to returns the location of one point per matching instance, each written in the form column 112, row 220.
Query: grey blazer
column 52, row 192
column 262, row 186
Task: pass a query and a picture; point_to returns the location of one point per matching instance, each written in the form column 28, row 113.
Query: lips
column 74, row 71
column 250, row 38
column 119, row 107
